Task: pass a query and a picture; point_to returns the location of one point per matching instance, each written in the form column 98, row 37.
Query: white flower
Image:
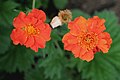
column 55, row 22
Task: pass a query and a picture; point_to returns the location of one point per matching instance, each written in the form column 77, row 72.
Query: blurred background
column 53, row 62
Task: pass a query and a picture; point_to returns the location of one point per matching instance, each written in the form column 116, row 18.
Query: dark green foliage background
column 53, row 62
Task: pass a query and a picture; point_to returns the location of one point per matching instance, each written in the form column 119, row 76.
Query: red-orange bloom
column 31, row 30
column 86, row 37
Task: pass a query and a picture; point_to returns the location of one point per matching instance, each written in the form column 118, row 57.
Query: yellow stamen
column 87, row 40
column 30, row 30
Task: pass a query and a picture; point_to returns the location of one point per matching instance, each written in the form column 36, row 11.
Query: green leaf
column 7, row 13
column 55, row 35
column 4, row 39
column 54, row 62
column 53, row 66
column 8, row 5
column 44, row 3
column 38, row 74
column 77, row 13
column 17, row 57
column 62, row 30
column 60, row 4
column 34, row 74
column 105, row 66
column 72, row 62
column 38, row 4
column 100, row 69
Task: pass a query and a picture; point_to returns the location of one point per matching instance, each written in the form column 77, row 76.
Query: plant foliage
column 53, row 62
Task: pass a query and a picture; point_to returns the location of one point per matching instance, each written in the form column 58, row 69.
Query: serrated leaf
column 8, row 5
column 99, row 69
column 60, row 4
column 4, row 39
column 52, row 63
column 52, row 67
column 34, row 74
column 77, row 13
column 7, row 13
column 72, row 62
column 17, row 57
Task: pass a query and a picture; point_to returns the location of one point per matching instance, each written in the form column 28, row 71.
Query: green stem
column 33, row 4
column 56, row 43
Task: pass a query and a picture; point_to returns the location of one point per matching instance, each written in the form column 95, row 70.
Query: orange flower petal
column 102, row 45
column 78, row 21
column 76, row 51
column 29, row 20
column 66, row 38
column 70, row 39
column 78, row 25
column 29, row 42
column 88, row 56
column 34, row 47
column 75, row 30
column 18, row 36
column 40, row 41
column 40, row 25
column 106, row 36
column 39, row 14
column 14, row 37
column 96, row 25
column 81, row 22
column 19, row 21
column 46, row 32
column 82, row 52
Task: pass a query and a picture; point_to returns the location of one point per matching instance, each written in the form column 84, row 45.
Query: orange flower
column 86, row 37
column 31, row 30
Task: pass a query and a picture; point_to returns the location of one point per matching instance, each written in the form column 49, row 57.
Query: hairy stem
column 33, row 4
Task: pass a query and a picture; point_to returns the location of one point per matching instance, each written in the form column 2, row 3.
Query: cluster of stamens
column 30, row 30
column 87, row 41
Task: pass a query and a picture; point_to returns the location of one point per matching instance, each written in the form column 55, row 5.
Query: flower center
column 30, row 30
column 88, row 41
column 65, row 17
